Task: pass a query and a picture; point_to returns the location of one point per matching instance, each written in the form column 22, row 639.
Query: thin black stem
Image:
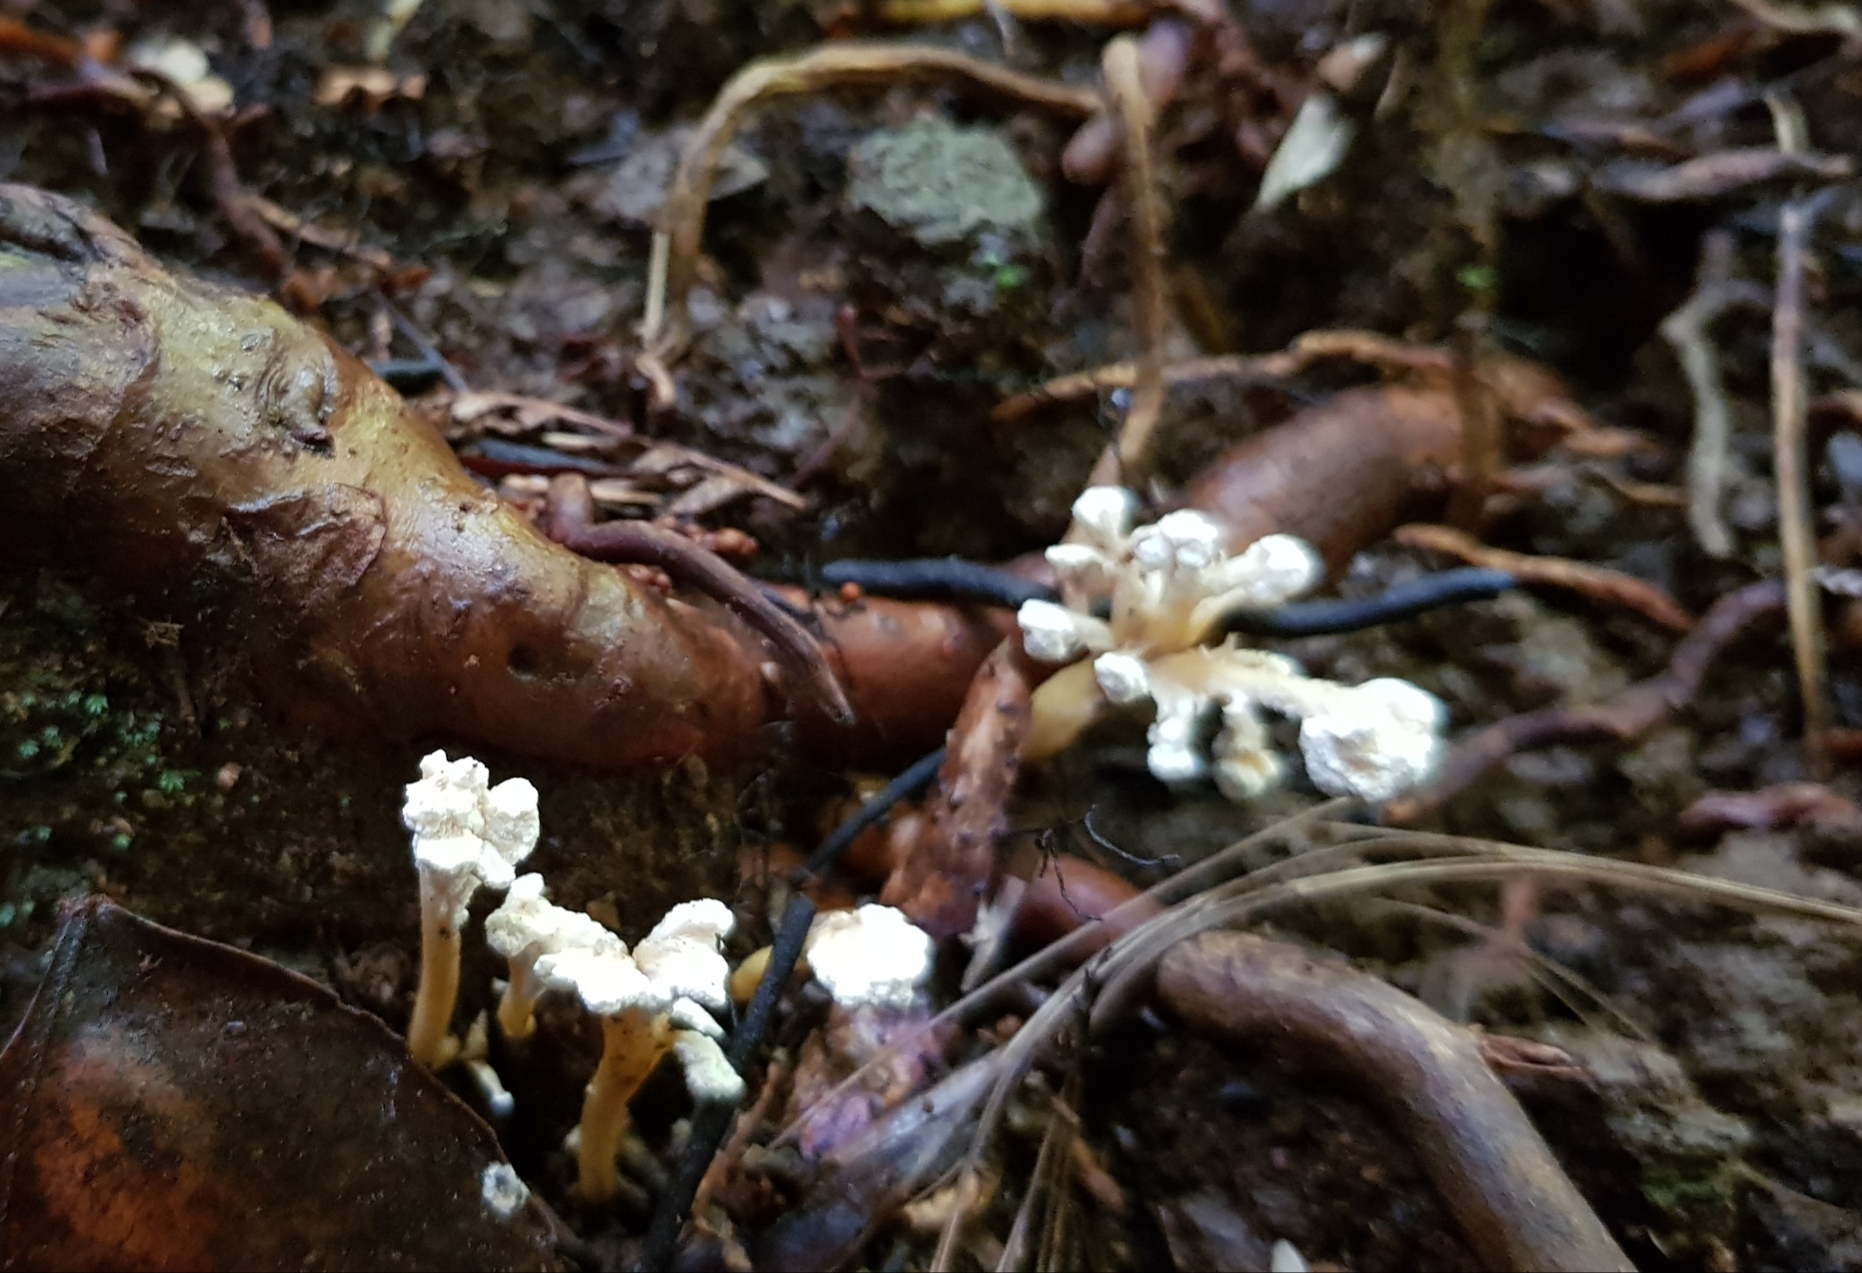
column 904, row 787
column 936, row 579
column 711, row 1123
column 1405, row 601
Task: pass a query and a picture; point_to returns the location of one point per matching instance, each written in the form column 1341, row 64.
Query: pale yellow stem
column 428, row 1041
column 517, row 1007
column 1062, row 707
column 631, row 1046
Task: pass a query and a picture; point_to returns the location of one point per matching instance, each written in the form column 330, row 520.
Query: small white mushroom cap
column 1105, row 513
column 1055, row 634
column 527, row 925
column 1272, row 570
column 466, row 833
column 1186, row 540
column 708, row 1072
column 1379, row 739
column 872, row 955
column 681, row 956
column 1122, row 677
column 607, row 982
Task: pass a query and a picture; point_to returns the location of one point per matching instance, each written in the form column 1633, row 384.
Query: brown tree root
column 1514, row 1202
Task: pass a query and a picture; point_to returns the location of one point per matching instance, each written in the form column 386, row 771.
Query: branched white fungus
column 1164, row 587
column 651, row 1002
column 466, row 835
column 523, row 930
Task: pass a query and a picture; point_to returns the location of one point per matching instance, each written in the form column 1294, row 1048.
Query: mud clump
column 953, row 237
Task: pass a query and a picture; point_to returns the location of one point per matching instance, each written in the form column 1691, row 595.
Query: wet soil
column 851, row 326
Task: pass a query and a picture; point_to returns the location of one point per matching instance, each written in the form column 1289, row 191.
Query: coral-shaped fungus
column 467, row 834
column 1162, row 590
column 654, row 1001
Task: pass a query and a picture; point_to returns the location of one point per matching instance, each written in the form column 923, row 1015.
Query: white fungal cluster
column 1163, row 589
column 656, row 999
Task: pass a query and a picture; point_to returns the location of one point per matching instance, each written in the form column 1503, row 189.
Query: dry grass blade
column 1790, row 452
column 1567, row 986
column 832, row 66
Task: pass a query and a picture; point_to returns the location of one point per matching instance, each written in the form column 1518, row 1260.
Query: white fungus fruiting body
column 466, row 835
column 526, row 928
column 1164, row 588
column 869, row 956
column 654, row 1001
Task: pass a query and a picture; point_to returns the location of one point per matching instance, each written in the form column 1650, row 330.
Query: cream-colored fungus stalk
column 467, row 834
column 657, row 1000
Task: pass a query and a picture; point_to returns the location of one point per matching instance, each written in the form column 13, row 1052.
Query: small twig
column 1483, row 440
column 571, row 523
column 1625, row 717
column 1124, row 375
column 229, row 193
column 1612, row 587
column 833, row 65
column 1126, row 462
column 941, row 882
column 1715, row 292
column 1790, row 453
column 343, row 242
column 411, row 333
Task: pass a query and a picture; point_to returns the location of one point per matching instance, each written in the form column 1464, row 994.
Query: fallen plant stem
column 1128, row 460
column 1688, row 330
column 941, row 882
column 1624, row 717
column 1516, row 1205
column 1797, row 533
column 1611, row 587
column 1124, row 375
column 831, row 66
column 1483, row 437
